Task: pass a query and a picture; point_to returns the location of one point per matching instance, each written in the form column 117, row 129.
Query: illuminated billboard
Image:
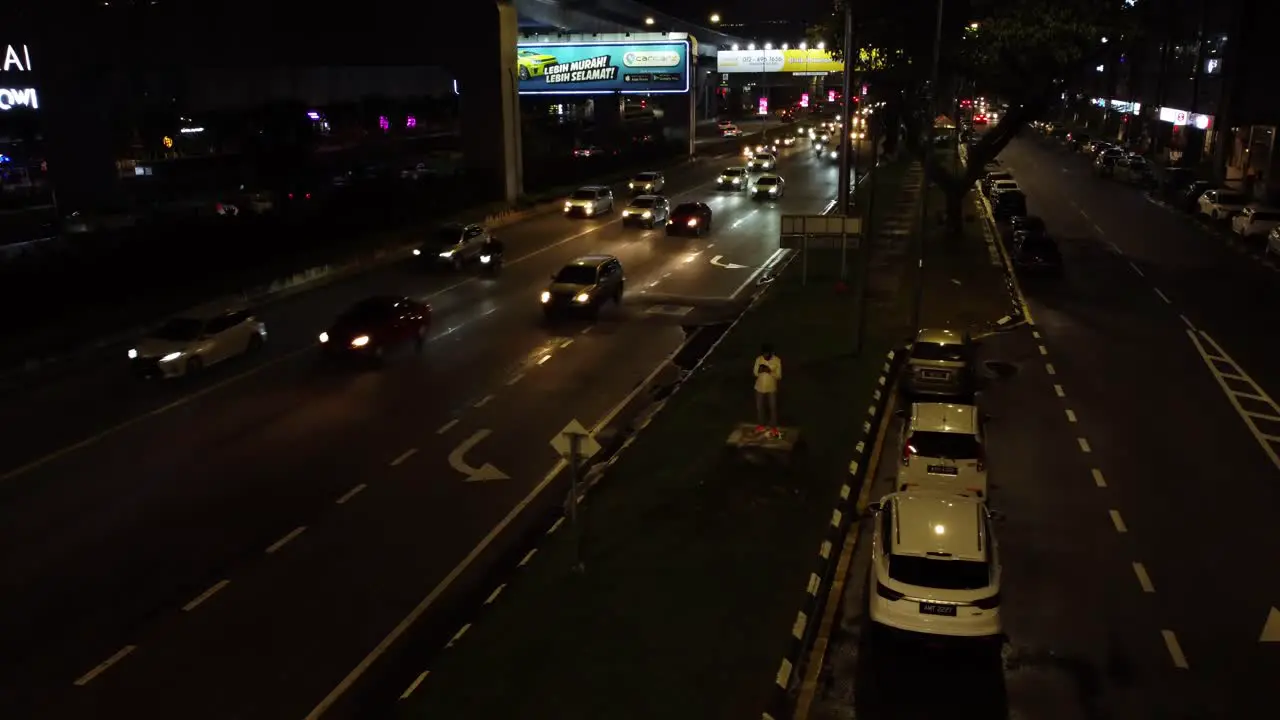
column 14, row 67
column 573, row 68
column 798, row 62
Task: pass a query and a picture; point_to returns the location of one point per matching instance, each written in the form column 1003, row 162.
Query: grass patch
column 695, row 564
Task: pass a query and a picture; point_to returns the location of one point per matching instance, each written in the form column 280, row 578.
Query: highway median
column 695, row 562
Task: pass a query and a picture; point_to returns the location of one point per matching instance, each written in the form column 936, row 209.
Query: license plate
column 937, row 609
column 943, row 470
column 935, row 374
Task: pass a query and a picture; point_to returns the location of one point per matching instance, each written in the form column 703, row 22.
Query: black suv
column 584, row 286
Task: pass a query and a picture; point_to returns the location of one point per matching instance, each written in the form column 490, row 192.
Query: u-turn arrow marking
column 730, row 266
column 458, row 461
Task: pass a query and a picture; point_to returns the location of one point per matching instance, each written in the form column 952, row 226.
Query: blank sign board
column 820, row 225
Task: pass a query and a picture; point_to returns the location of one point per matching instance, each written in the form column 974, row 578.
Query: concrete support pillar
column 489, row 105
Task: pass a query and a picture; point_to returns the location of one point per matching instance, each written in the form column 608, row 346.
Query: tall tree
column 1024, row 52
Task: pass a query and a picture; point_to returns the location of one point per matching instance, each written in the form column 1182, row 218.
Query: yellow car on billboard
column 532, row 63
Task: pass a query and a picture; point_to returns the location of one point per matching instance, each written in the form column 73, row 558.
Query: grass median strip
column 695, row 564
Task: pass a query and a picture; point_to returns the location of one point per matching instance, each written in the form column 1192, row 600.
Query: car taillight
column 907, row 451
column 290, row 196
column 888, row 593
column 308, row 196
column 987, row 603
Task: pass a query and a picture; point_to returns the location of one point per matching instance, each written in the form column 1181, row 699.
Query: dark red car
column 376, row 326
column 691, row 218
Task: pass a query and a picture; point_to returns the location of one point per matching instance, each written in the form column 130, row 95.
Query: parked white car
column 935, row 566
column 943, row 449
column 1255, row 221
column 1222, row 203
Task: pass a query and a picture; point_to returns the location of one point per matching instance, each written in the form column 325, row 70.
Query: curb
column 1018, row 313
column 781, row 704
column 304, row 280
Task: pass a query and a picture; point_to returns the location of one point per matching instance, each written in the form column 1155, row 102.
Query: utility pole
column 846, row 109
column 931, row 105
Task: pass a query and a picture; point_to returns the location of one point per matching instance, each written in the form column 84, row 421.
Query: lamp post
column 931, row 103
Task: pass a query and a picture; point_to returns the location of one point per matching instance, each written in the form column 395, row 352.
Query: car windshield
column 1005, row 184
column 764, row 156
column 645, row 177
column 1012, row 197
column 939, row 573
column 449, row 234
column 179, row 330
column 767, row 181
column 642, row 203
column 585, row 195
column 686, row 209
column 1039, row 244
column 735, row 172
column 369, row 310
column 1228, row 199
column 949, row 445
column 937, row 351
column 999, row 176
column 1031, row 224
column 576, row 275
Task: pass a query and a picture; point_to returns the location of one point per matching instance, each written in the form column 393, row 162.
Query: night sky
column 744, row 10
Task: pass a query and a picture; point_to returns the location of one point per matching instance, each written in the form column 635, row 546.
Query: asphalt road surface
column 234, row 546
column 1139, row 495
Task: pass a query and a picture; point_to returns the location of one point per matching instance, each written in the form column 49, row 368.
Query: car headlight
column 446, row 254
column 737, row 181
column 360, row 341
column 724, row 179
column 588, row 206
column 582, row 298
column 546, row 296
column 416, row 251
column 133, row 353
column 324, row 337
column 631, row 186
column 171, row 357
column 646, row 214
column 568, row 206
column 773, row 191
column 626, row 213
column 486, row 259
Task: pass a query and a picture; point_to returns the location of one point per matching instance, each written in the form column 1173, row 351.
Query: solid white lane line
column 404, row 456
column 1144, row 579
column 515, row 379
column 494, row 595
column 586, row 330
column 1098, row 229
column 285, row 540
column 1084, row 214
column 105, row 665
column 1071, row 415
column 1116, row 249
column 414, row 685
column 1044, row 350
column 197, row 600
column 1084, row 445
column 1098, row 479
column 1057, row 390
column 1137, row 269
column 1163, row 297
column 1175, row 650
column 350, row 494
column 1048, row 367
column 566, row 343
column 447, row 426
column 1118, row 521
column 484, row 401
column 1188, row 322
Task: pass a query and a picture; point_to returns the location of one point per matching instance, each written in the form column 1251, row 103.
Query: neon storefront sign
column 17, row 59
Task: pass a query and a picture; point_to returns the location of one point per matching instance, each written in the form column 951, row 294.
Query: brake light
column 987, row 603
column 290, row 196
column 907, row 451
column 888, row 593
column 308, row 196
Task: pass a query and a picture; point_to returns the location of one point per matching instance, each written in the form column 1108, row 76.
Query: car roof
column 591, row 260
column 942, row 336
column 735, row 167
column 646, row 197
column 944, row 417
column 593, row 187
column 768, row 176
column 207, row 312
column 1008, row 181
column 647, row 172
column 925, row 523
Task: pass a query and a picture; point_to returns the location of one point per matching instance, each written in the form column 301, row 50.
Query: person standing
column 768, row 373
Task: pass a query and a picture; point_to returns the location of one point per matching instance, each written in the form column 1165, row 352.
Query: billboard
column 804, row 62
column 14, row 68
column 574, row 68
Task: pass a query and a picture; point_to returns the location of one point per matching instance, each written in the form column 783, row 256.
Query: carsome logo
column 651, row 59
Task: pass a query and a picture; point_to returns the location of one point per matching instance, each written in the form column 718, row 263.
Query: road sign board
column 587, row 446
column 820, row 225
column 819, row 242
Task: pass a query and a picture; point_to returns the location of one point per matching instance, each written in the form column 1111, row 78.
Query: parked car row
column 1032, row 249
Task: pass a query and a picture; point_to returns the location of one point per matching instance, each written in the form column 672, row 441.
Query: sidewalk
column 695, row 564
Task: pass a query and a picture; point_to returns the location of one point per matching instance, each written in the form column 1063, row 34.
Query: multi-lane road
column 238, row 545
column 1132, row 454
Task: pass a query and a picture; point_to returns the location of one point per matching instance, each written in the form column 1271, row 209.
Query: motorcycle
column 491, row 261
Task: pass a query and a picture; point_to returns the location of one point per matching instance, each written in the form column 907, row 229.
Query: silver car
column 647, row 183
column 940, row 365
column 589, row 201
column 647, row 211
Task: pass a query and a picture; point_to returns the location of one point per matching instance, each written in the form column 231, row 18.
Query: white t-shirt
column 767, row 382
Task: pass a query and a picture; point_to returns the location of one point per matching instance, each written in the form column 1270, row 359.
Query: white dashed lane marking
column 1163, row 297
column 1144, row 580
column 1048, row 367
column 105, row 665
column 1057, row 390
column 404, row 456
column 447, row 427
column 1071, row 415
column 1084, row 445
column 1098, row 478
column 1175, row 650
column 1118, row 521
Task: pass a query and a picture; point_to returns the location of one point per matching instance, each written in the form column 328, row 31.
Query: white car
column 1222, row 203
column 187, row 344
column 935, row 566
column 647, row 183
column 1000, row 186
column 589, row 201
column 762, row 161
column 769, row 186
column 943, row 449
column 1255, row 221
column 647, row 211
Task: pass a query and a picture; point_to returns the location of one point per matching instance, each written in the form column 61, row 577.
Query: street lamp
column 648, row 21
column 804, row 46
column 715, row 18
column 751, row 46
column 734, row 47
column 822, row 46
column 768, row 46
column 784, row 46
